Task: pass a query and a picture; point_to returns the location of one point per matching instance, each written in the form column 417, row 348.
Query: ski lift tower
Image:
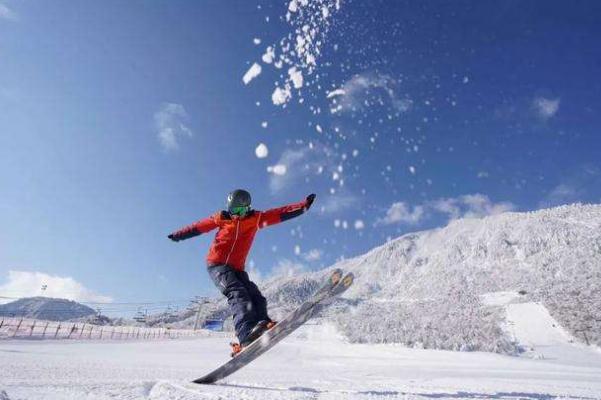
column 199, row 300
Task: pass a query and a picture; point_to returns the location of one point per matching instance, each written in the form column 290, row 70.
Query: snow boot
column 260, row 328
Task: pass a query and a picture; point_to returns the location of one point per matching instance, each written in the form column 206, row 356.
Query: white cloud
column 466, row 206
column 470, row 206
column 400, row 212
column 295, row 163
column 337, row 202
column 286, row 269
column 563, row 193
column 581, row 185
column 312, row 255
column 7, row 13
column 253, row 273
column 545, row 107
column 315, row 161
column 170, row 123
column 362, row 89
column 29, row 284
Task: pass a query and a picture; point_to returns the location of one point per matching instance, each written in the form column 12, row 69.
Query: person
column 236, row 229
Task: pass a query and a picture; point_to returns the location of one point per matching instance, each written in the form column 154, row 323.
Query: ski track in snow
column 312, row 364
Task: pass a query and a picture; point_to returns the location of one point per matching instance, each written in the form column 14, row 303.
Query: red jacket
column 235, row 235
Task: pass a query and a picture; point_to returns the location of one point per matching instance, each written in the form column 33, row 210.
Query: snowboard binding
column 257, row 331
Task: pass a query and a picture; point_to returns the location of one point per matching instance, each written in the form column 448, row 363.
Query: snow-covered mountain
column 430, row 289
column 46, row 308
column 426, row 288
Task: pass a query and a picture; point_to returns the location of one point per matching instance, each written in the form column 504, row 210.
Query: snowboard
column 335, row 285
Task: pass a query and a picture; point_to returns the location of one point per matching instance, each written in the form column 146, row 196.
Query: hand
column 172, row 237
column 310, row 199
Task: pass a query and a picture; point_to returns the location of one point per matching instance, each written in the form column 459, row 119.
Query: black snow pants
column 246, row 302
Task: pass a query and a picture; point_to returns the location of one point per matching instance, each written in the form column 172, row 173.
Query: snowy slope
column 312, row 364
column 533, row 326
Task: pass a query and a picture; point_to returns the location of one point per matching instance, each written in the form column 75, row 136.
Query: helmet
column 238, row 202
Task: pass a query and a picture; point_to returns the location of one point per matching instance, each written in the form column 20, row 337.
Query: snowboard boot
column 260, row 328
column 236, row 348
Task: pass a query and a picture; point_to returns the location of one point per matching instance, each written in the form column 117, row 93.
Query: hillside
column 46, row 308
column 426, row 288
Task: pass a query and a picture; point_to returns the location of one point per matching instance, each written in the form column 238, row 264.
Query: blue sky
column 443, row 110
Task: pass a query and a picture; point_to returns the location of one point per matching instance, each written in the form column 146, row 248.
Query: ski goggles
column 242, row 210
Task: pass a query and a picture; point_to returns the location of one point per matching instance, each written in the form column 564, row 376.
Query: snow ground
column 313, row 364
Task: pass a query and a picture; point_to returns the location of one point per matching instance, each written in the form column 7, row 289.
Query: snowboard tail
column 335, row 285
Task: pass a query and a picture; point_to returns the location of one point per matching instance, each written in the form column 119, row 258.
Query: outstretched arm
column 197, row 228
column 281, row 214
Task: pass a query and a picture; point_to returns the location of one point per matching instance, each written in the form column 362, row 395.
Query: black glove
column 172, row 237
column 310, row 199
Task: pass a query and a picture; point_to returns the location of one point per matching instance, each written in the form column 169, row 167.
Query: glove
column 172, row 237
column 310, row 199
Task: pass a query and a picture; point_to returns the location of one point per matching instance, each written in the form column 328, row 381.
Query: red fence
column 22, row 328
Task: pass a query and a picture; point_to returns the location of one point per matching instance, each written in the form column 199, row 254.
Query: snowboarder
column 226, row 260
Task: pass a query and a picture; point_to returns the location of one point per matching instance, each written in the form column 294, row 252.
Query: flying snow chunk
column 251, row 74
column 257, row 41
column 293, row 6
column 296, row 77
column 297, row 250
column 412, row 169
column 278, row 169
column 280, row 96
column 261, row 151
column 264, row 124
column 269, row 55
column 318, row 128
column 359, row 224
